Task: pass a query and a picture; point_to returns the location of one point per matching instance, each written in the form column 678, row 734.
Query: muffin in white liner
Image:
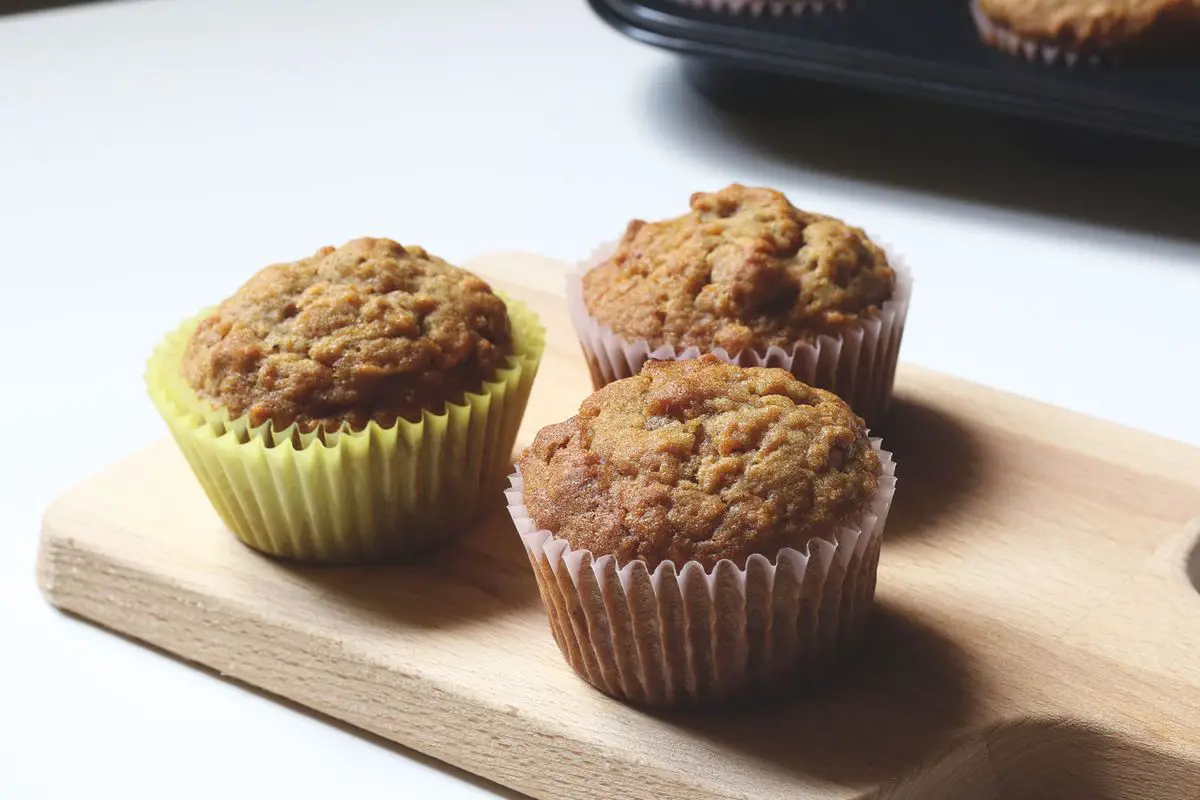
column 676, row 632
column 633, row 633
column 859, row 365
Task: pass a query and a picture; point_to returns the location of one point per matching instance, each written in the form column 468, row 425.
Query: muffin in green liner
column 358, row 405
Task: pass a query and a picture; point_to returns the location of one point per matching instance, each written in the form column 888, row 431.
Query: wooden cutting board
column 1037, row 634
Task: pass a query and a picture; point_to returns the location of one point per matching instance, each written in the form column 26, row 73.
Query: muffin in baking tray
column 352, row 405
column 747, row 276
column 771, row 8
column 702, row 529
column 1068, row 31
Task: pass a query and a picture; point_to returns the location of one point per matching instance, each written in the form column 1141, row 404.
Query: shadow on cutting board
column 1193, row 566
column 939, row 464
column 483, row 574
column 1050, row 760
column 762, row 123
column 900, row 700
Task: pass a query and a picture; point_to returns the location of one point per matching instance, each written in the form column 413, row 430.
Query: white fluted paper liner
column 1004, row 39
column 772, row 8
column 685, row 637
column 858, row 365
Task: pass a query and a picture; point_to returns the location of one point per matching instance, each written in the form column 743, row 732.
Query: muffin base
column 858, row 365
column 683, row 637
column 350, row 496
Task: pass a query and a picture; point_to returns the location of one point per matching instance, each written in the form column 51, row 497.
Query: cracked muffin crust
column 368, row 331
column 700, row 460
column 743, row 269
column 1096, row 27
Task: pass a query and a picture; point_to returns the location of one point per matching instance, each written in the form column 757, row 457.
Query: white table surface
column 154, row 154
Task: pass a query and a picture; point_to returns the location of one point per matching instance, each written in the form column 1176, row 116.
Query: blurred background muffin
column 773, row 8
column 1092, row 30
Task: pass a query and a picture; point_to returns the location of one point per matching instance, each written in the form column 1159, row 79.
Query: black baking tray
column 927, row 49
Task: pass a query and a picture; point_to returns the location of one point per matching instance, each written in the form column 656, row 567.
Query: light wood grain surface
column 1037, row 634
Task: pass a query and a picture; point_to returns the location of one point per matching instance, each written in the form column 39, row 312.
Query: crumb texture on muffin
column 1099, row 24
column 368, row 331
column 744, row 269
column 700, row 460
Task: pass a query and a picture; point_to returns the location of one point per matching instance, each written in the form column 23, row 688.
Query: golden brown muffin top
column 371, row 330
column 744, row 269
column 700, row 460
column 1101, row 24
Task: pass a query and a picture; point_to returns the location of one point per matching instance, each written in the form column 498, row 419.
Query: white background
column 154, row 154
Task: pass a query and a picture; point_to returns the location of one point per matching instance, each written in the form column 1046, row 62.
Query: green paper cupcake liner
column 351, row 496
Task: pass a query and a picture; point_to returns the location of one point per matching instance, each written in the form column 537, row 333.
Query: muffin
column 703, row 529
column 1093, row 30
column 754, row 280
column 354, row 405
